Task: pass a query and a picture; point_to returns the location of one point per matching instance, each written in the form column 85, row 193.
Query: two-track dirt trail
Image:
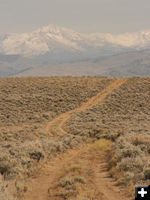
column 42, row 183
column 56, row 125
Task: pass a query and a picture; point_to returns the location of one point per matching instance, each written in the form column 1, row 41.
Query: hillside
column 64, row 130
column 136, row 63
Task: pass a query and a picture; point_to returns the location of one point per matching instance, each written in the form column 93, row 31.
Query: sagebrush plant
column 132, row 158
column 123, row 117
column 26, row 106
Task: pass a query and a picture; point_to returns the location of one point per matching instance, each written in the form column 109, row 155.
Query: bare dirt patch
column 77, row 174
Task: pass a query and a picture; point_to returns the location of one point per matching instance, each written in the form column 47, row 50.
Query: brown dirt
column 56, row 125
column 46, row 177
column 43, row 186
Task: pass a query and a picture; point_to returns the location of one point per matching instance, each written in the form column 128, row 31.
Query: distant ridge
column 51, row 38
column 54, row 50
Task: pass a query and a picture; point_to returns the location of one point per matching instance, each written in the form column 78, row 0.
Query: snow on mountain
column 40, row 41
column 135, row 39
column 52, row 38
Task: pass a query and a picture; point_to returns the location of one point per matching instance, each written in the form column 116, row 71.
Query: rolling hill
column 136, row 63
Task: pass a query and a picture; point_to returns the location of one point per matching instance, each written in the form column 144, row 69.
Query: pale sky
column 86, row 16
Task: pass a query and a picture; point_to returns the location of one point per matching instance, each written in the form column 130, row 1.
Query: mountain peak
column 52, row 38
column 50, row 28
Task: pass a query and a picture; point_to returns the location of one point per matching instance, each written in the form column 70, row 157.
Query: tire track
column 47, row 175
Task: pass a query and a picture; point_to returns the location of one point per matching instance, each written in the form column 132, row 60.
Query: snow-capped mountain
column 40, row 41
column 56, row 41
column 53, row 50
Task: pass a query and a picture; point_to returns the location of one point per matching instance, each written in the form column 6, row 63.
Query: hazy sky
column 114, row 16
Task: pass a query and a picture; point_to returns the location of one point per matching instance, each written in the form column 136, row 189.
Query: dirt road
column 56, row 125
column 99, row 185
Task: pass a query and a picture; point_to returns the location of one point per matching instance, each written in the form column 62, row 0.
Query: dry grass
column 34, row 100
column 26, row 106
column 76, row 179
column 103, row 145
column 124, row 117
